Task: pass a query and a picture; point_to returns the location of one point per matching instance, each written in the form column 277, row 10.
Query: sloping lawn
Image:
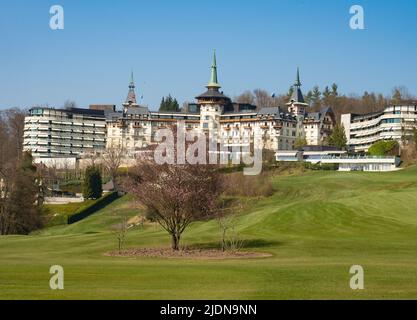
column 316, row 226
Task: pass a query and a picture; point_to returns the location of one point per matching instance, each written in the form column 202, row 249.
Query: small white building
column 365, row 163
column 342, row 160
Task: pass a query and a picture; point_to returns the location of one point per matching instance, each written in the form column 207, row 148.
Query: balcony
column 278, row 126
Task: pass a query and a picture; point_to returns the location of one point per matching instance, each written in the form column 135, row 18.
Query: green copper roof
column 213, row 80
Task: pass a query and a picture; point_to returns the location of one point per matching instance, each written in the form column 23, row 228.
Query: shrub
column 384, row 148
column 92, row 188
column 268, row 157
column 237, row 184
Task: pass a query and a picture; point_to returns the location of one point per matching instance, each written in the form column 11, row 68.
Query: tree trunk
column 175, row 244
column 224, row 240
column 113, row 178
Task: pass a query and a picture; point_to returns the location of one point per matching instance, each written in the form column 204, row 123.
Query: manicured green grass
column 58, row 213
column 65, row 209
column 316, row 226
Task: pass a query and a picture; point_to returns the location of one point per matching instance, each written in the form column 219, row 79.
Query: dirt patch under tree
column 187, row 254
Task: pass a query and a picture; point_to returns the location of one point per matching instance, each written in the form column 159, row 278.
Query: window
column 391, row 121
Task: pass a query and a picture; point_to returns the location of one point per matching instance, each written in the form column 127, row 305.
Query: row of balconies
column 56, row 129
column 382, row 133
column 60, row 143
column 375, row 122
column 53, row 121
column 60, row 136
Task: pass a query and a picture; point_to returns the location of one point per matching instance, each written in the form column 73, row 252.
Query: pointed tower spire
column 297, row 95
column 297, row 81
column 213, row 84
column 131, row 96
column 132, row 80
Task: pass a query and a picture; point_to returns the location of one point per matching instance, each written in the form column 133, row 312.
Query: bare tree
column 401, row 94
column 176, row 195
column 3, row 141
column 5, row 185
column 112, row 160
column 92, row 159
column 227, row 220
column 70, row 104
column 13, row 126
column 263, row 98
column 225, row 223
column 246, row 97
column 120, row 231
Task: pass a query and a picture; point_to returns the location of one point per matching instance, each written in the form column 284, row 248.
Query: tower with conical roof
column 212, row 102
column 131, row 95
column 213, row 84
column 213, row 94
column 297, row 103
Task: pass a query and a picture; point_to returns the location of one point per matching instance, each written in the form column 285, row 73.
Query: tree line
column 330, row 96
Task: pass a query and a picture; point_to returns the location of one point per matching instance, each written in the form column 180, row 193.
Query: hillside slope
column 316, row 226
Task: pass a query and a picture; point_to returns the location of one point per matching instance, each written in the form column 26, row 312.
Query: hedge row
column 88, row 210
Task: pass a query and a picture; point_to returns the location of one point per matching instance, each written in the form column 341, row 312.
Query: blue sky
column 169, row 46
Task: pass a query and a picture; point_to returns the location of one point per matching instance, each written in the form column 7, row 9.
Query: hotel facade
column 234, row 124
column 61, row 133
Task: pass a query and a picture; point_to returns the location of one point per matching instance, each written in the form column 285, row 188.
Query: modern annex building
column 234, row 124
column 58, row 133
column 393, row 123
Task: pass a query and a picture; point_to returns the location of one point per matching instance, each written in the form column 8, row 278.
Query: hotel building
column 59, row 133
column 393, row 123
column 234, row 124
column 75, row 133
